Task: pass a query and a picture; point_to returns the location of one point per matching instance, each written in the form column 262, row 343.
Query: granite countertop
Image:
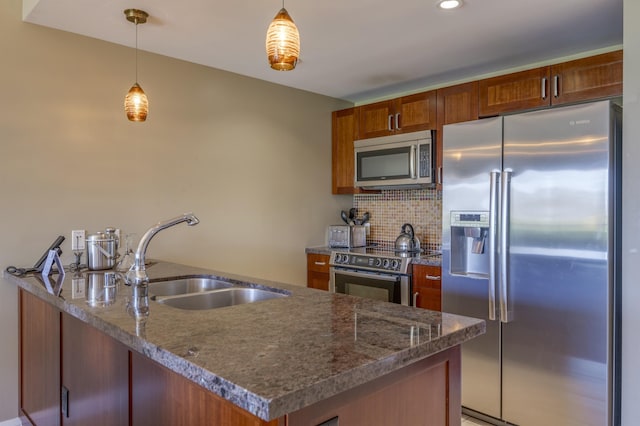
column 275, row 356
column 424, row 259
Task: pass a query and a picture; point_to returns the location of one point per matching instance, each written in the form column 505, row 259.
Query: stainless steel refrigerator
column 530, row 209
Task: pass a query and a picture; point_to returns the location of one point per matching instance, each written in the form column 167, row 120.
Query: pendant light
column 283, row 42
column 136, row 104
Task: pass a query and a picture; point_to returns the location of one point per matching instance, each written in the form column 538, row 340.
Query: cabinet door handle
column 556, row 86
column 544, row 88
column 415, row 298
column 432, row 277
column 320, row 263
column 389, row 118
column 439, row 179
column 398, row 121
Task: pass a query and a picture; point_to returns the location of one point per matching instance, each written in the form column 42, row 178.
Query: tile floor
column 470, row 421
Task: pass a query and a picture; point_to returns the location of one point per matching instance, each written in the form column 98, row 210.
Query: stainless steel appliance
column 530, row 240
column 371, row 273
column 397, row 161
column 346, row 236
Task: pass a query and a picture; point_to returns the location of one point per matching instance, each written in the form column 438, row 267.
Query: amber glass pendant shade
column 136, row 104
column 283, row 42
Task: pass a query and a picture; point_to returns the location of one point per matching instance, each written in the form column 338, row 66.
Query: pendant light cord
column 137, row 50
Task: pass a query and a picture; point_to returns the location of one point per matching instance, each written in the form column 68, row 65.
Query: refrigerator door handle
column 505, row 201
column 494, row 205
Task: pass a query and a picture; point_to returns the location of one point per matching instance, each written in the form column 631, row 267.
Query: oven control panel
column 370, row 262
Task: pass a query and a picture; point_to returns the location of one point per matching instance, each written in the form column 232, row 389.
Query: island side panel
column 426, row 393
column 39, row 331
column 161, row 397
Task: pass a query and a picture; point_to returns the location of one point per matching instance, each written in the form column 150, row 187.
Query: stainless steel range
column 372, row 273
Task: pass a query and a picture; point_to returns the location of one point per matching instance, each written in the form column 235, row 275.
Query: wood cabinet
column 318, row 271
column 39, row 357
column 161, row 397
column 401, row 115
column 104, row 379
column 455, row 104
column 426, row 393
column 595, row 77
column 95, row 371
column 584, row 79
column 427, row 287
column 343, row 132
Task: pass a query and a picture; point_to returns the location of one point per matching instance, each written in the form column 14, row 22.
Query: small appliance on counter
column 407, row 242
column 102, row 250
column 347, row 236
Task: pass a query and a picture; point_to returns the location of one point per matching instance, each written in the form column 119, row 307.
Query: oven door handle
column 384, row 277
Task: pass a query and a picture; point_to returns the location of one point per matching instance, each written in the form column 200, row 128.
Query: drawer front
column 318, row 262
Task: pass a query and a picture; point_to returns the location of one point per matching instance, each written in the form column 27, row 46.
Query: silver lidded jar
column 102, row 250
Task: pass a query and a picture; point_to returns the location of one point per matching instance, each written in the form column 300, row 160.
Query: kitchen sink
column 218, row 298
column 188, row 285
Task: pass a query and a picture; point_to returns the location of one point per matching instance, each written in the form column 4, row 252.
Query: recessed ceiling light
column 449, row 4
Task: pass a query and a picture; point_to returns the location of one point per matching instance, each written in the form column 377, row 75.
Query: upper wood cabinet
column 584, row 79
column 589, row 78
column 513, row 92
column 455, row 104
column 401, row 115
column 343, row 133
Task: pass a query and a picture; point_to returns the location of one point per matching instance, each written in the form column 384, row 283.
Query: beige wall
column 251, row 159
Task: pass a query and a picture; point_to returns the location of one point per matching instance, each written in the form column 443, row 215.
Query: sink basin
column 187, row 285
column 219, row 298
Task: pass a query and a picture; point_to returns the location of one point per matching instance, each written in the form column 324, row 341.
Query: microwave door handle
column 412, row 162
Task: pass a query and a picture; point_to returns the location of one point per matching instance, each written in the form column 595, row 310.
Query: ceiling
column 356, row 50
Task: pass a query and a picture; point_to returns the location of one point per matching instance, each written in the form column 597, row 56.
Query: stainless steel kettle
column 407, row 240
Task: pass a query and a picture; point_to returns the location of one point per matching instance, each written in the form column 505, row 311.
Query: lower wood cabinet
column 39, row 355
column 104, row 382
column 318, row 271
column 161, row 397
column 95, row 372
column 427, row 287
column 426, row 393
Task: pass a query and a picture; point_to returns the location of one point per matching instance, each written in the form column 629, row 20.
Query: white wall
column 251, row 159
column 631, row 218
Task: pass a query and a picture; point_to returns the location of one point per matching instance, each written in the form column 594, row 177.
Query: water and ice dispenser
column 469, row 243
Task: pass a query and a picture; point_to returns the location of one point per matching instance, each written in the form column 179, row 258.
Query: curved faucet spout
column 137, row 275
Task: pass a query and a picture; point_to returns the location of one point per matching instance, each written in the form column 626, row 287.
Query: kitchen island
column 300, row 359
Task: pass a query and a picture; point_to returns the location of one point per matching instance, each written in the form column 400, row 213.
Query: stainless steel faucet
column 137, row 275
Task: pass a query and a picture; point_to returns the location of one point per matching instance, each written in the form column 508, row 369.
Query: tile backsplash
column 390, row 209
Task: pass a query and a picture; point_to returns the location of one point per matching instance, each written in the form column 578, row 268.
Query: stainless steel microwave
column 396, row 162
